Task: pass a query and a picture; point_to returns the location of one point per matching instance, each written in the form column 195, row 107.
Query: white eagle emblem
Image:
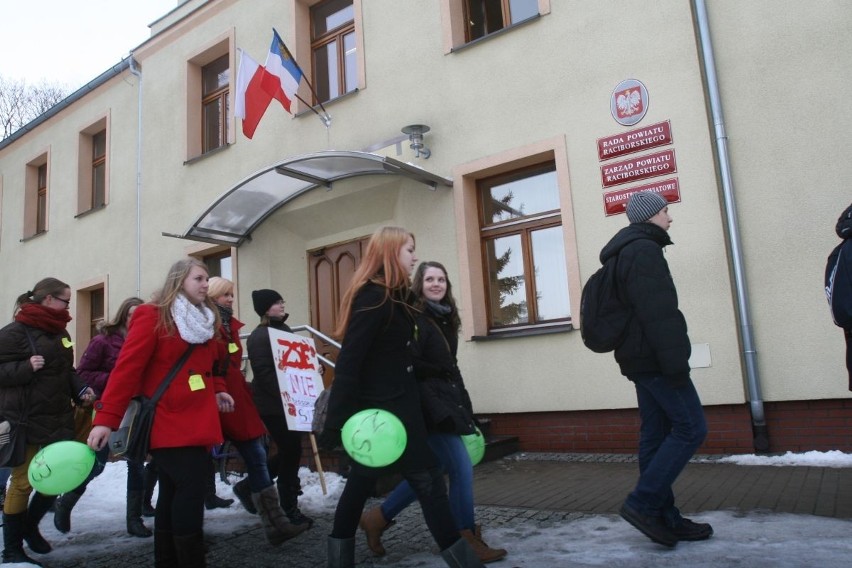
column 629, row 102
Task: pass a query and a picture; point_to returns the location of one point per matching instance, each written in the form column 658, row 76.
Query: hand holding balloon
column 60, row 467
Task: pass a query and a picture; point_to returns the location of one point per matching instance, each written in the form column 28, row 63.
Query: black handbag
column 13, row 435
column 133, row 437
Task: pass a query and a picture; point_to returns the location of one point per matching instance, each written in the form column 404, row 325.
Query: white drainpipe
column 138, row 74
column 758, row 419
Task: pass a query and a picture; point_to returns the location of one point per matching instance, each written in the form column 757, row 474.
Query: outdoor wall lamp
column 415, row 136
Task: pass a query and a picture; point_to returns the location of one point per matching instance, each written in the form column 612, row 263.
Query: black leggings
column 285, row 465
column 181, row 475
column 431, row 492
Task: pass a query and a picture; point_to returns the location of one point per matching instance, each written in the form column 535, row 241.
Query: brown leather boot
column 373, row 524
column 275, row 524
column 485, row 553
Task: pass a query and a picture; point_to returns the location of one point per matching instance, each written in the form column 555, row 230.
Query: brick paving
column 534, row 490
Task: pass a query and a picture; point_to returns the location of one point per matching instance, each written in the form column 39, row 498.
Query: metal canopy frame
column 231, row 219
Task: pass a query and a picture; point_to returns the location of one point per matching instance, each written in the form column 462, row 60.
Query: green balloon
column 374, row 437
column 475, row 446
column 60, row 467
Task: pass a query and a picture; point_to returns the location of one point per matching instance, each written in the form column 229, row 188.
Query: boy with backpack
column 838, row 283
column 654, row 354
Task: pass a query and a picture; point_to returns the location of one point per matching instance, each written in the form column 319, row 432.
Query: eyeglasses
column 67, row 302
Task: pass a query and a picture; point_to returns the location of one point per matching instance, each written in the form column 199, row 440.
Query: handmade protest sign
column 299, row 379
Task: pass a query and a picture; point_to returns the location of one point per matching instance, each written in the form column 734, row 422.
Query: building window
column 36, row 182
column 215, row 78
column 484, row 17
column 93, row 171
column 334, row 49
column 464, row 21
column 41, row 200
column 99, row 169
column 517, row 242
column 522, row 244
column 96, row 311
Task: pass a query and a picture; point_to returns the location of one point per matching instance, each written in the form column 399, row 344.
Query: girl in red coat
column 244, row 426
column 186, row 424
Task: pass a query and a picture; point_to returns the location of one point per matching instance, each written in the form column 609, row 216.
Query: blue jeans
column 673, row 427
column 455, row 461
column 254, row 456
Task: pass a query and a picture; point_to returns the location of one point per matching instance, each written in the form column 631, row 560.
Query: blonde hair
column 379, row 265
column 218, row 286
column 172, row 287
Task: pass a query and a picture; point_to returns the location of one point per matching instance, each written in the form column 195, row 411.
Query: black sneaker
column 652, row 527
column 687, row 529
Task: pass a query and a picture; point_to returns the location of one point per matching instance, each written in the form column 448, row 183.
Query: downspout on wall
column 749, row 354
column 135, row 71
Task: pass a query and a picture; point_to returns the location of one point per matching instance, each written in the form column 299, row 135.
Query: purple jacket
column 99, row 359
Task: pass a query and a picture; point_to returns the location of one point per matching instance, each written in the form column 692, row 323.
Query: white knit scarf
column 194, row 323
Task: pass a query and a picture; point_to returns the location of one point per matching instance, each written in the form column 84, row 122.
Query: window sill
column 529, row 332
column 310, row 111
column 207, row 154
column 89, row 211
column 34, row 236
column 498, row 33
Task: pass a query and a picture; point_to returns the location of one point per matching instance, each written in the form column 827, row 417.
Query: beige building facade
column 511, row 192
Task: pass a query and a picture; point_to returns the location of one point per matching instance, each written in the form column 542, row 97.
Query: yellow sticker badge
column 67, row 343
column 232, row 348
column 196, row 382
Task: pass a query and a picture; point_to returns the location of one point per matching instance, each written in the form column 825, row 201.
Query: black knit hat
column 643, row 205
column 264, row 299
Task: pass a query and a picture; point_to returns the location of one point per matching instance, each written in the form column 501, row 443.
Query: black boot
column 13, row 540
column 62, row 513
column 135, row 526
column 165, row 553
column 211, row 500
column 243, row 492
column 341, row 552
column 149, row 479
column 39, row 506
column 190, row 551
column 289, row 495
column 461, row 555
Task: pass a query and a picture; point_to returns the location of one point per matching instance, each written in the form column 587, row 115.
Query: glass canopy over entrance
column 231, row 219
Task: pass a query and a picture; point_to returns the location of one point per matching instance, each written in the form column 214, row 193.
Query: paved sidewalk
column 529, row 491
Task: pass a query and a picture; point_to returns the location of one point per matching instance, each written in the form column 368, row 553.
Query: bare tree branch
column 21, row 103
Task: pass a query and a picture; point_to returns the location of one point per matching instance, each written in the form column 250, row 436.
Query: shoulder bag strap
column 167, row 381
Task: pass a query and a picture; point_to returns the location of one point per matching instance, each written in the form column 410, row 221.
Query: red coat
column 184, row 417
column 244, row 422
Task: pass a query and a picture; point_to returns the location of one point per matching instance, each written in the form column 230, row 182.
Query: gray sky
column 71, row 43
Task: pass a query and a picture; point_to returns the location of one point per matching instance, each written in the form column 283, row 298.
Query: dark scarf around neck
column 43, row 318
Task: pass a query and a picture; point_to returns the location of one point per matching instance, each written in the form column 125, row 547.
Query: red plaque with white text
column 652, row 136
column 615, row 202
column 638, row 168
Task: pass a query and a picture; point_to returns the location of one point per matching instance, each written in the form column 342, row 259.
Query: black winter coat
column 264, row 383
column 50, row 390
column 657, row 342
column 375, row 370
column 446, row 402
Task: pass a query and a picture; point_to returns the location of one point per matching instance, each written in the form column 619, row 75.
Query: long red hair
column 379, row 265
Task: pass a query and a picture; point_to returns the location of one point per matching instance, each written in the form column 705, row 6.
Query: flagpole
column 325, row 119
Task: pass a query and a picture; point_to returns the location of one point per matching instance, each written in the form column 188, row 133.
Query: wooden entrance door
column 330, row 271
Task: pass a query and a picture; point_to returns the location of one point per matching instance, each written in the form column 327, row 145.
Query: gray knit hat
column 643, row 205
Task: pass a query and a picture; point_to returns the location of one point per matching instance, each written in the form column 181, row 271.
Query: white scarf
column 194, row 323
